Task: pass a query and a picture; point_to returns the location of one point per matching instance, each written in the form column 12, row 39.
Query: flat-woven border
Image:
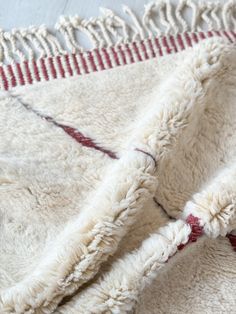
column 70, row 64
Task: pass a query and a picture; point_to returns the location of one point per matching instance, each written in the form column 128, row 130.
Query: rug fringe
column 160, row 18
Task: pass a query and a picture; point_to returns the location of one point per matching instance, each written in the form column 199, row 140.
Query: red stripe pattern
column 99, row 59
column 84, row 140
column 78, row 136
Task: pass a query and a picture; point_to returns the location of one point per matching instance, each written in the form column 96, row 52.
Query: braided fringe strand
column 160, row 18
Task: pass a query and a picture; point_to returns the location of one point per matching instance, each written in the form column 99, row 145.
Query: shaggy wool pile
column 118, row 164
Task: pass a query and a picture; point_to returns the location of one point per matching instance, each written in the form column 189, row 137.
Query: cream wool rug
column 115, row 161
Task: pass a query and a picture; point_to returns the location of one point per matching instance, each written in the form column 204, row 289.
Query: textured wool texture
column 99, row 175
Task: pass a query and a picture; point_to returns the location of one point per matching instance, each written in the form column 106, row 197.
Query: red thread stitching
column 115, row 56
column 20, row 74
column 91, row 60
column 100, row 62
column 165, row 44
column 137, row 51
column 122, row 55
column 173, row 43
column 76, row 64
column 180, row 41
column 129, row 53
column 151, row 47
column 84, row 64
column 4, row 78
column 36, row 70
column 52, row 68
column 28, row 74
column 68, row 65
column 62, row 72
column 158, row 46
column 44, row 69
column 13, row 78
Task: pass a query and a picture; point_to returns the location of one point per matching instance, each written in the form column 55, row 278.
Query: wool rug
column 118, row 163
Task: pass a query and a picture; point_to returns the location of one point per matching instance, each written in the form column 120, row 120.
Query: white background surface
column 23, row 13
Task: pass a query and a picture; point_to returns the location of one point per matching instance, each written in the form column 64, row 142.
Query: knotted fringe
column 160, row 18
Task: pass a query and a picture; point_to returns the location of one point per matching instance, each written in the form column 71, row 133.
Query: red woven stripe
column 122, row 54
column 129, row 52
column 202, row 35
column 117, row 61
column 52, row 67
column 227, row 35
column 84, row 64
column 4, row 78
column 99, row 58
column 76, row 64
column 151, row 47
column 20, row 74
column 195, row 37
column 143, row 47
column 12, row 76
column 36, row 70
column 180, row 41
column 91, row 60
column 137, row 51
column 107, row 58
column 165, row 43
column 28, row 74
column 61, row 69
column 158, row 46
column 70, row 71
column 188, row 39
column 209, row 34
column 44, row 70
column 233, row 33
column 172, row 40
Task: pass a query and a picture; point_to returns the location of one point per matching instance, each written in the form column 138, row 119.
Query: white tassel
column 31, row 36
column 67, row 30
column 170, row 17
column 227, row 14
column 21, row 37
column 179, row 17
column 41, row 34
column 6, row 51
column 148, row 20
column 163, row 17
column 215, row 16
column 206, row 17
column 12, row 40
column 139, row 29
column 160, row 18
column 96, row 37
column 116, row 24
